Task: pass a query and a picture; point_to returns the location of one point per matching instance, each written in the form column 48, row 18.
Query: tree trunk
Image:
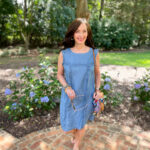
column 101, row 9
column 82, row 9
column 26, row 40
column 134, row 12
column 25, row 35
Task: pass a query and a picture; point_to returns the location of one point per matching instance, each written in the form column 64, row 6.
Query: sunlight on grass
column 144, row 61
column 140, row 59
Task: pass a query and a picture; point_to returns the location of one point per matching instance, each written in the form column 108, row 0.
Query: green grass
column 136, row 59
column 8, row 60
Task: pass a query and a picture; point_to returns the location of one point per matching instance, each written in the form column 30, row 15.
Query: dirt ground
column 126, row 113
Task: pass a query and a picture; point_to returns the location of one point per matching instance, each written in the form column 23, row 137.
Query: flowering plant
column 35, row 91
column 109, row 97
column 141, row 91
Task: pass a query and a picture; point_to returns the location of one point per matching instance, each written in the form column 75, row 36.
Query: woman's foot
column 76, row 146
column 73, row 140
column 86, row 127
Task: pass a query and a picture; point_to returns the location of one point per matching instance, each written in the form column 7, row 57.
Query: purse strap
column 94, row 69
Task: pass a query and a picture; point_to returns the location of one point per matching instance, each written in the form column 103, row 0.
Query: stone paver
column 6, row 140
column 99, row 136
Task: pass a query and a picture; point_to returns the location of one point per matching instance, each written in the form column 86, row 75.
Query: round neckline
column 80, row 53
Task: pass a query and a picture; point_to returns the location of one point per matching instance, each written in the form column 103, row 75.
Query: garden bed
column 127, row 113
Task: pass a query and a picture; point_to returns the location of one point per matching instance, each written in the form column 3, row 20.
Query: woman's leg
column 73, row 131
column 73, row 134
column 78, row 138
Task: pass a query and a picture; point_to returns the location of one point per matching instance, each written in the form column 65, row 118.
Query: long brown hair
column 73, row 26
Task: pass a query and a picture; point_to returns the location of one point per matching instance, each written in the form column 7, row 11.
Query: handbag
column 97, row 103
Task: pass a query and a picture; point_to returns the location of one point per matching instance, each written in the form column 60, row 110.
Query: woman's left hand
column 98, row 94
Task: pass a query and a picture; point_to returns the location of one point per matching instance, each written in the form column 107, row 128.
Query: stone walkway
column 99, row 136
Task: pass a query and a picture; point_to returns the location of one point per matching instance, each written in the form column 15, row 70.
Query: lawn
column 136, row 59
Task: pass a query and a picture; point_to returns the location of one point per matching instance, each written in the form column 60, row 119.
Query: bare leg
column 73, row 134
column 73, row 131
column 78, row 138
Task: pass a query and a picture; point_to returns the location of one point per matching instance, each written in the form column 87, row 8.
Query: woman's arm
column 60, row 76
column 60, row 72
column 98, row 94
column 97, row 72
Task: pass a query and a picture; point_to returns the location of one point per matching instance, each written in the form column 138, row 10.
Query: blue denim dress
column 79, row 74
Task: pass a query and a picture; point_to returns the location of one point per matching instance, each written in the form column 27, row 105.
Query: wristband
column 97, row 88
column 64, row 87
column 67, row 87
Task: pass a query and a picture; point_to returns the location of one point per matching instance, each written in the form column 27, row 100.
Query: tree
column 101, row 9
column 82, row 9
column 6, row 8
column 135, row 12
column 24, row 12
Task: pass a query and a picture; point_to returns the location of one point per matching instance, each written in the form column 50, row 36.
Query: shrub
column 36, row 91
column 141, row 91
column 112, row 34
column 109, row 96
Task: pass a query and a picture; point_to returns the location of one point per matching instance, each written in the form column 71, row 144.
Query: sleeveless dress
column 79, row 74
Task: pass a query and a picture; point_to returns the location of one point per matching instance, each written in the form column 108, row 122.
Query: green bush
column 111, row 34
column 51, row 28
column 35, row 93
column 141, row 91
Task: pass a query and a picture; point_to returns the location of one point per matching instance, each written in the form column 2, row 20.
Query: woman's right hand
column 71, row 93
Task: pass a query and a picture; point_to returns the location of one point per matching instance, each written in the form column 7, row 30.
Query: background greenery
column 116, row 24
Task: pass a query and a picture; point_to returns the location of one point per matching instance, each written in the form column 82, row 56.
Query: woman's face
column 81, row 34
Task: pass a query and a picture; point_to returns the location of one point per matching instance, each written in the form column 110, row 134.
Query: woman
column 76, row 74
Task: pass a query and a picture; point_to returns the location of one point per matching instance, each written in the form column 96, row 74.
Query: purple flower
column 136, row 98
column 137, row 86
column 147, row 89
column 7, row 91
column 17, row 74
column 107, row 87
column 43, row 66
column 145, row 84
column 25, row 68
column 14, row 105
column 36, row 100
column 44, row 99
column 107, row 79
column 32, row 94
column 46, row 82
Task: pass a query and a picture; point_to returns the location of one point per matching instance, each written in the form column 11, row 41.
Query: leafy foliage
column 44, row 22
column 110, row 97
column 6, row 8
column 141, row 91
column 111, row 34
column 36, row 92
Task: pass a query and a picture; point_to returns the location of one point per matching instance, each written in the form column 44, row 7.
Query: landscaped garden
column 31, row 36
column 30, row 92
